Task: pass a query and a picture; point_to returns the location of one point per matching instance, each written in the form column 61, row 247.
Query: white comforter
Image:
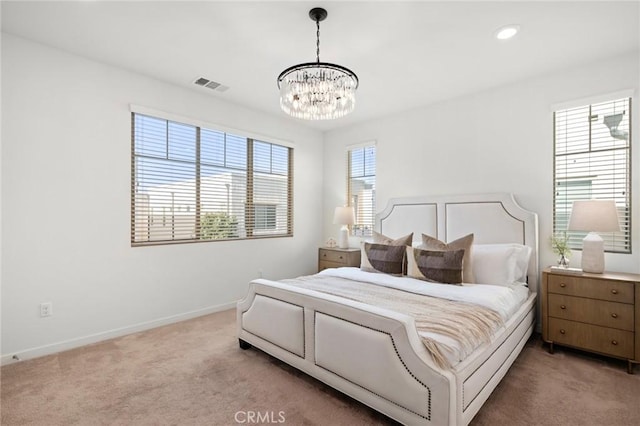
column 505, row 300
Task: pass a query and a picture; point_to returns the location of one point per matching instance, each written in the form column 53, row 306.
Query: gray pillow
column 383, row 258
column 435, row 265
column 407, row 240
column 378, row 238
column 465, row 243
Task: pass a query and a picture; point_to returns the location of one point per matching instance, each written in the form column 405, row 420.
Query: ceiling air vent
column 209, row 84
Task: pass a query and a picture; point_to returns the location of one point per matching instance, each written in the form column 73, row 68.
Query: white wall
column 65, row 185
column 66, row 148
column 499, row 140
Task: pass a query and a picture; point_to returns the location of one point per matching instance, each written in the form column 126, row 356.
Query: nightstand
column 337, row 257
column 598, row 313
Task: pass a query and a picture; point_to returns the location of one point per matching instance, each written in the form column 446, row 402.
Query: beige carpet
column 193, row 373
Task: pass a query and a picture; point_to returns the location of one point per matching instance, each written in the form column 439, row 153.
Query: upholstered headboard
column 492, row 218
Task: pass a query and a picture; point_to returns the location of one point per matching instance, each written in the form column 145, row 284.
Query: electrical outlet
column 46, row 309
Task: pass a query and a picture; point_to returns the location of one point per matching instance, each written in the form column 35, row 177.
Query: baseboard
column 110, row 334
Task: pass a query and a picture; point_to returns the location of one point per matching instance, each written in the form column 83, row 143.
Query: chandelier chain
column 318, row 41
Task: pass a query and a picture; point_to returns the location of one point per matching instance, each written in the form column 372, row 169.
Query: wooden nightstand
column 594, row 312
column 337, row 257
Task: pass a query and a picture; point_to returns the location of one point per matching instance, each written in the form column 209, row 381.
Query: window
column 361, row 189
column 592, row 161
column 190, row 183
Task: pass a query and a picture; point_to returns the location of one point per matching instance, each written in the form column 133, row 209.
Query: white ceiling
column 406, row 54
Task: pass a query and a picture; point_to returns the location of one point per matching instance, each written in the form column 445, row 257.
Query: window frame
column 250, row 230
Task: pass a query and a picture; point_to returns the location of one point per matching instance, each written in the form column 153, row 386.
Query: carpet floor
column 193, row 373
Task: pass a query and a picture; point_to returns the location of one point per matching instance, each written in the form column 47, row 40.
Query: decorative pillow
column 500, row 264
column 435, row 265
column 465, row 243
column 382, row 258
column 378, row 238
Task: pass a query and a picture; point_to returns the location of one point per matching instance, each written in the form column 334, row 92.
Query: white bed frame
column 375, row 355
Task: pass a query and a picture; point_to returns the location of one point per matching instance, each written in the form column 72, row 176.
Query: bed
column 375, row 354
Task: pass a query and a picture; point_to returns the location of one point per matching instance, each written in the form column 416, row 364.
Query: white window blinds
column 592, row 161
column 361, row 191
column 195, row 184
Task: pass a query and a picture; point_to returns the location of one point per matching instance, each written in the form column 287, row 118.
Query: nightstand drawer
column 592, row 311
column 338, row 258
column 323, row 264
column 333, row 256
column 604, row 340
column 614, row 291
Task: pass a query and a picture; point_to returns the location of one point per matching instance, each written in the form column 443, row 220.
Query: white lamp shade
column 344, row 216
column 594, row 216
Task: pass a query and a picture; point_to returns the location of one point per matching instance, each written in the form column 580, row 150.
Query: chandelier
column 317, row 90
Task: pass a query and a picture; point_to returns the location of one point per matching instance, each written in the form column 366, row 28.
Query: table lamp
column 593, row 216
column 344, row 216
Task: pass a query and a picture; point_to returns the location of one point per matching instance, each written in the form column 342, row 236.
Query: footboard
column 368, row 353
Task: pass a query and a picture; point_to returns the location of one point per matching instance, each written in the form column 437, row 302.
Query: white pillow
column 500, row 264
column 524, row 255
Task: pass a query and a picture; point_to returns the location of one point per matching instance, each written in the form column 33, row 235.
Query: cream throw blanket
column 468, row 324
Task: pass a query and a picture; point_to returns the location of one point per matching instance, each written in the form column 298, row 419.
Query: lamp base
column 593, row 253
column 343, row 238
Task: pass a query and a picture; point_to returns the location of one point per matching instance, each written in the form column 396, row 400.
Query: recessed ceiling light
column 507, row 32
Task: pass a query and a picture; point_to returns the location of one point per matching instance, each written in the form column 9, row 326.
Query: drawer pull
column 562, row 331
column 324, row 254
column 614, row 342
column 614, row 315
column 563, row 307
column 340, row 257
column 614, row 291
column 563, row 285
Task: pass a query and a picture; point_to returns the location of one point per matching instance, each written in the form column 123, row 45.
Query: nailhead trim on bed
column 428, row 417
